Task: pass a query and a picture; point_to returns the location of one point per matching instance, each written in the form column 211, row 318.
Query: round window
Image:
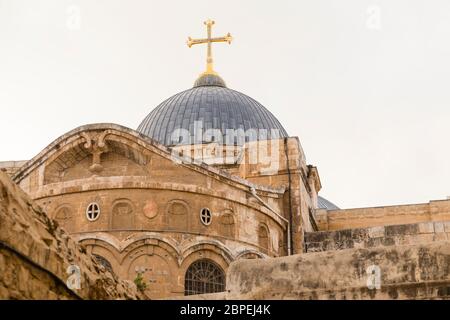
column 206, row 216
column 92, row 212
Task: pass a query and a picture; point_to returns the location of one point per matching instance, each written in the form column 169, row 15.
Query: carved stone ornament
column 96, row 145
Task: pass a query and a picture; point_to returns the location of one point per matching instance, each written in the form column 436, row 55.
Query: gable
column 107, row 150
column 112, row 164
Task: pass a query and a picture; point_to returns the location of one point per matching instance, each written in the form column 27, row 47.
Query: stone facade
column 138, row 206
column 142, row 209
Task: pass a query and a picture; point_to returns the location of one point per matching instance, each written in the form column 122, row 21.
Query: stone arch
column 122, row 215
column 227, row 224
column 177, row 215
column 157, row 264
column 264, row 237
column 141, row 239
column 78, row 157
column 205, row 251
column 64, row 215
column 127, row 148
column 139, row 247
column 103, row 249
column 204, row 276
column 66, row 158
column 250, row 254
column 209, row 245
column 100, row 238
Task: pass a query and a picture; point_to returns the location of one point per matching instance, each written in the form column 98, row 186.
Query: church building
column 209, row 177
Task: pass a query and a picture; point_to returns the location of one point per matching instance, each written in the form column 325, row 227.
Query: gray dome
column 213, row 106
column 325, row 204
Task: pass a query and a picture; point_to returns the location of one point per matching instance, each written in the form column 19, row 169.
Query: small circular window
column 92, row 212
column 206, row 216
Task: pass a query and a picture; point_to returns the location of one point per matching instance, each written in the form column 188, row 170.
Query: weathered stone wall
column 438, row 210
column 285, row 165
column 35, row 254
column 407, row 272
column 419, row 233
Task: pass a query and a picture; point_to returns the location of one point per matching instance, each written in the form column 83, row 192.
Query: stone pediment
column 109, row 150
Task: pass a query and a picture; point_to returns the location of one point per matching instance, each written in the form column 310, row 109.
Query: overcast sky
column 364, row 84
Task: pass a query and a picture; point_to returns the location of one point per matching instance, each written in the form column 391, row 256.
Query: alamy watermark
column 213, row 145
column 74, row 280
column 73, row 20
column 373, row 17
column 373, row 277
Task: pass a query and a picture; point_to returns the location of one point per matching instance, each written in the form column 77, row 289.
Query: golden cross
column 209, row 40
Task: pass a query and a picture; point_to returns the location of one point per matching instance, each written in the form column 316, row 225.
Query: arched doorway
column 204, row 276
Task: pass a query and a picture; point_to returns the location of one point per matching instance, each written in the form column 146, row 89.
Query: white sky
column 364, row 84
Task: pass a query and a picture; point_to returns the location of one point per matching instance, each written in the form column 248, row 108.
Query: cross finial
column 209, row 40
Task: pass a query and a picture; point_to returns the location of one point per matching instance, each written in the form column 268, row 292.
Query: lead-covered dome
column 326, row 204
column 210, row 105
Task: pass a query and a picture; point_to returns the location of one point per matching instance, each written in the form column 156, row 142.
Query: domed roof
column 210, row 105
column 325, row 204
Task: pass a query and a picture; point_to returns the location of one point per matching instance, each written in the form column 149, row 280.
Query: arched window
column 204, row 276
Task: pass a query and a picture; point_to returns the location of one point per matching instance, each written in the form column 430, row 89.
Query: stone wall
column 406, row 272
column 438, row 210
column 35, row 254
column 419, row 233
column 287, row 168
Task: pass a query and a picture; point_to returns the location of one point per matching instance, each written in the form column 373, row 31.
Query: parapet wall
column 384, row 236
column 406, row 272
column 438, row 210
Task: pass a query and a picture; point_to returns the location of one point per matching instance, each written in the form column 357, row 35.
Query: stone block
column 439, row 227
column 426, row 227
column 345, row 235
column 374, row 242
column 447, row 226
column 360, row 234
column 403, row 240
column 313, row 247
column 388, row 241
column 376, row 232
column 316, row 236
column 328, row 245
column 441, row 236
column 402, row 229
column 422, row 238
